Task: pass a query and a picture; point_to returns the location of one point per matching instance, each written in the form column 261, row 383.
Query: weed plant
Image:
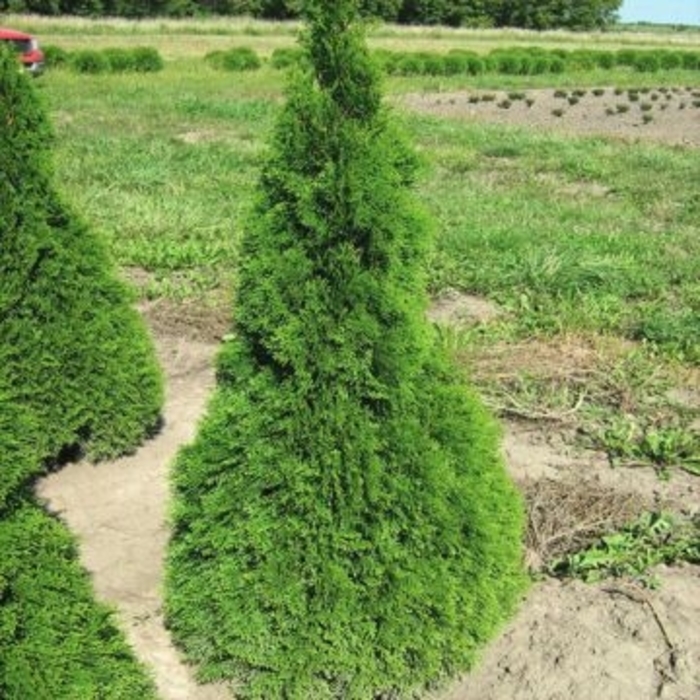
column 343, row 525
column 656, row 538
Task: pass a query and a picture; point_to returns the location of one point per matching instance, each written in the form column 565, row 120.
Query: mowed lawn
column 590, row 241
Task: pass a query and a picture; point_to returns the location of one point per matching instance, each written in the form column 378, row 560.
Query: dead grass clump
column 567, row 516
column 189, row 320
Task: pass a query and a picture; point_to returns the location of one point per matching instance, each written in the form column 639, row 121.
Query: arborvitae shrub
column 627, row 57
column 145, row 59
column 507, row 62
column 433, row 64
column 343, row 524
column 582, row 59
column 668, row 60
column 285, row 57
column 65, row 329
column 240, row 58
column 89, row 61
column 690, row 60
column 539, row 65
column 77, row 354
column 20, row 448
column 475, row 65
column 557, row 65
column 56, row 641
column 605, row 59
column 455, row 64
column 647, row 62
column 55, row 56
column 120, row 60
column 409, row 64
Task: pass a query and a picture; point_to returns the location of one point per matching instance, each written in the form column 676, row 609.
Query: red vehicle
column 31, row 56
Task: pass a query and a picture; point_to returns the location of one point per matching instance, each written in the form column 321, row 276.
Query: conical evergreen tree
column 343, row 525
column 78, row 355
column 77, row 369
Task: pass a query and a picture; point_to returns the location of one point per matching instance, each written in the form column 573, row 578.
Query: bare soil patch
column 569, row 640
column 119, row 511
column 669, row 117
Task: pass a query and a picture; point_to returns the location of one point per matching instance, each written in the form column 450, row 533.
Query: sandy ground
column 119, row 512
column 569, row 641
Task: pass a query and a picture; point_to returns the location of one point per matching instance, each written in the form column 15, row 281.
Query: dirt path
column 119, row 509
column 664, row 116
column 569, row 641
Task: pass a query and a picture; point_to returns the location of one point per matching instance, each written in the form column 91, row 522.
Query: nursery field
column 565, row 280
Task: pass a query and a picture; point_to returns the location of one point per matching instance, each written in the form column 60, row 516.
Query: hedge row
column 141, row 59
column 511, row 61
column 535, row 61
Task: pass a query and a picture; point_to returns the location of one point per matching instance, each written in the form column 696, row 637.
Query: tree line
column 527, row 14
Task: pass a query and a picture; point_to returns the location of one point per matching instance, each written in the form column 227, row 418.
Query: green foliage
column 677, row 330
column 545, row 14
column 77, row 355
column 55, row 56
column 285, row 57
column 55, row 640
column 20, row 447
column 647, row 62
column 529, row 61
column 145, row 59
column 663, row 444
column 89, row 61
column 239, row 58
column 656, row 538
column 343, row 525
column 142, row 59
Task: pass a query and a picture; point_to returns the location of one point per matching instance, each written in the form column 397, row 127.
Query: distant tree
column 78, row 355
column 343, row 523
column 423, row 11
column 554, row 14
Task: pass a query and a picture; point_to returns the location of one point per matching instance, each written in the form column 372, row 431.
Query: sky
column 661, row 11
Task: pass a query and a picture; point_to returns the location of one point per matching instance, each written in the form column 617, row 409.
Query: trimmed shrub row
column 534, row 61
column 142, row 59
column 512, row 61
column 240, row 58
column 517, row 61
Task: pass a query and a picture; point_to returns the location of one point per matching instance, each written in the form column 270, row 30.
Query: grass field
column 587, row 238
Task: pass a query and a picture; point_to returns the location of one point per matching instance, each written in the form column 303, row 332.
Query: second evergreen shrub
column 78, row 356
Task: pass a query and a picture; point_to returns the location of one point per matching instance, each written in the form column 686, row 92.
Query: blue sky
column 662, row 11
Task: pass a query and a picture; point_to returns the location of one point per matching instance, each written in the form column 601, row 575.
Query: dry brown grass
column 570, row 515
